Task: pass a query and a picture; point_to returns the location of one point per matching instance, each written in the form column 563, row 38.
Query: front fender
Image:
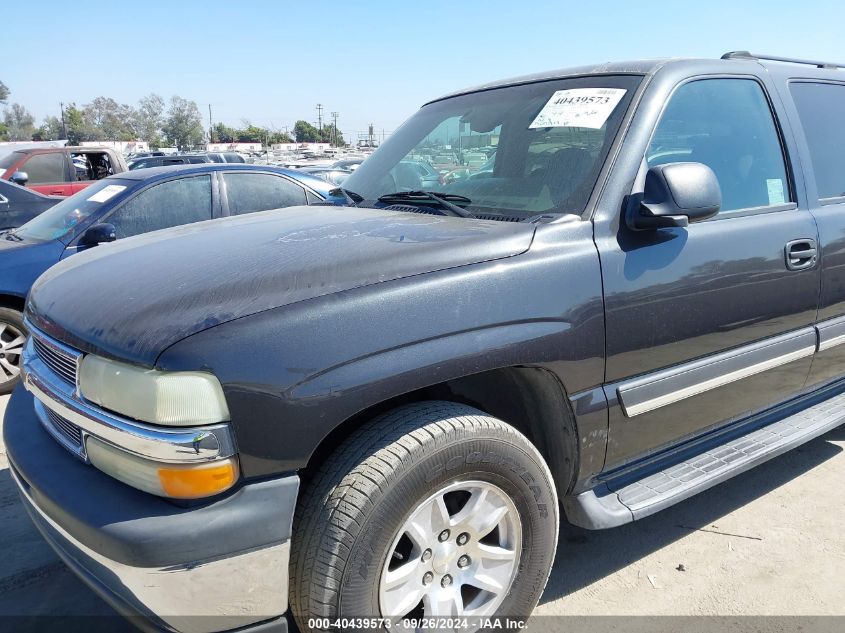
column 292, row 375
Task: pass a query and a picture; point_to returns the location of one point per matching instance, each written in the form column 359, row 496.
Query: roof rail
column 775, row 58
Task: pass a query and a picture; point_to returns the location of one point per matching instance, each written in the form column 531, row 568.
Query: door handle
column 57, row 192
column 801, row 254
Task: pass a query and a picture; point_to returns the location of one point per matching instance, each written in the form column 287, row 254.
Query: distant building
column 234, row 147
column 125, row 147
column 314, row 148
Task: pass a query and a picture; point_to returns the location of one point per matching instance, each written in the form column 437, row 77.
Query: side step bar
column 616, row 502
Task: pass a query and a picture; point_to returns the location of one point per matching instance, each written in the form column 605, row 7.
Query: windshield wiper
column 12, row 237
column 351, row 197
column 444, row 200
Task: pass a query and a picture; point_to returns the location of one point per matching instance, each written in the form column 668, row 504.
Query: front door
column 708, row 323
column 47, row 174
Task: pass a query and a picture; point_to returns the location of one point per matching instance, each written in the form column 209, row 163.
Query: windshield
column 515, row 152
column 64, row 219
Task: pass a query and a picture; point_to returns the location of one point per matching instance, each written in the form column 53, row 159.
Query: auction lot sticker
column 106, row 193
column 579, row 107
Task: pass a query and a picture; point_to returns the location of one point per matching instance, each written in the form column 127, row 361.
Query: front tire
column 12, row 337
column 434, row 509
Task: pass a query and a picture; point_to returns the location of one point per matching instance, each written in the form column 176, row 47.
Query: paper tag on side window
column 775, row 188
column 106, row 193
column 579, row 107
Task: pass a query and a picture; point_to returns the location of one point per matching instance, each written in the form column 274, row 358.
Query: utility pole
column 64, row 127
column 210, row 126
column 334, row 131
column 320, row 118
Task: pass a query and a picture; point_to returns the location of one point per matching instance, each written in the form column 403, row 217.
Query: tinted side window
column 727, row 125
column 169, row 204
column 249, row 193
column 821, row 108
column 43, row 168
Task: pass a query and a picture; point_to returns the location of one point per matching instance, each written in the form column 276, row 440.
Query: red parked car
column 60, row 171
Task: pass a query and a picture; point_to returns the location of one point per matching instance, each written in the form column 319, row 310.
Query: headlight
column 178, row 481
column 168, row 398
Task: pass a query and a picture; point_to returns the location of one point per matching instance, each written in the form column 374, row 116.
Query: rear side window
column 727, row 125
column 44, row 168
column 821, row 108
column 248, row 193
column 171, row 203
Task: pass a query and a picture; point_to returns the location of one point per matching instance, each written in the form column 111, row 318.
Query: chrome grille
column 68, row 429
column 63, row 362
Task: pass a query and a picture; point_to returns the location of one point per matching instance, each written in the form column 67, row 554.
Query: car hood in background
column 134, row 298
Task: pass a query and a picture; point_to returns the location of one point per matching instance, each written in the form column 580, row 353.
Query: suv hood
column 132, row 299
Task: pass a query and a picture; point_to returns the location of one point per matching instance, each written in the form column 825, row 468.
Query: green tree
column 280, row 137
column 183, row 127
column 50, row 130
column 109, row 120
column 306, row 133
column 329, row 135
column 78, row 129
column 4, row 92
column 224, row 134
column 19, row 122
column 149, row 118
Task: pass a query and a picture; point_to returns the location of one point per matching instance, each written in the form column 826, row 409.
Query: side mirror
column 20, row 178
column 98, row 234
column 676, row 195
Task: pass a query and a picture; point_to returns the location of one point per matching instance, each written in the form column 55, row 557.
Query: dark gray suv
column 380, row 413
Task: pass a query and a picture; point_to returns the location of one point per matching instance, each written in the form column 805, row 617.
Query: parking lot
column 768, row 542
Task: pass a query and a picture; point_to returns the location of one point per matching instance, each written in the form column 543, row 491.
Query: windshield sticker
column 775, row 187
column 579, row 107
column 106, row 193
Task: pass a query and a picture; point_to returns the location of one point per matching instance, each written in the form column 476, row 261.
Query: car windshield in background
column 515, row 152
column 63, row 219
column 9, row 159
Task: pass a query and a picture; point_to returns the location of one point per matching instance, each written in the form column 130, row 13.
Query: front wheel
column 433, row 510
column 12, row 337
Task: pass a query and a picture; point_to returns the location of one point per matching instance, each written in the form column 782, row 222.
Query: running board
column 616, row 502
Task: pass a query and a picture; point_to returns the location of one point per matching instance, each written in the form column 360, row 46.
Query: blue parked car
column 18, row 205
column 127, row 204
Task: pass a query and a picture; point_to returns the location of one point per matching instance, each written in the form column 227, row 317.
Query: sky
column 271, row 62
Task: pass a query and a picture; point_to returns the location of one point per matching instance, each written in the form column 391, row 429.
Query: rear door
column 820, row 108
column 250, row 192
column 708, row 323
column 48, row 173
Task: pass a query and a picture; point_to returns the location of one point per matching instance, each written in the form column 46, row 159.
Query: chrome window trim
column 177, row 445
column 667, row 386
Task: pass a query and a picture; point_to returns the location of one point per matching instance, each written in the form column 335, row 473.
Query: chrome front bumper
column 196, row 597
column 214, row 567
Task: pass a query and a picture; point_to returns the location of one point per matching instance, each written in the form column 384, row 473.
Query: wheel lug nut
column 428, row 578
column 444, row 536
column 464, row 561
column 463, row 538
column 426, row 556
column 447, row 580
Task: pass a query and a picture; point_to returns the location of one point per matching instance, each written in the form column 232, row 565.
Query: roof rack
column 775, row 58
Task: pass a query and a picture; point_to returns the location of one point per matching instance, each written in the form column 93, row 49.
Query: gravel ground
column 767, row 543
